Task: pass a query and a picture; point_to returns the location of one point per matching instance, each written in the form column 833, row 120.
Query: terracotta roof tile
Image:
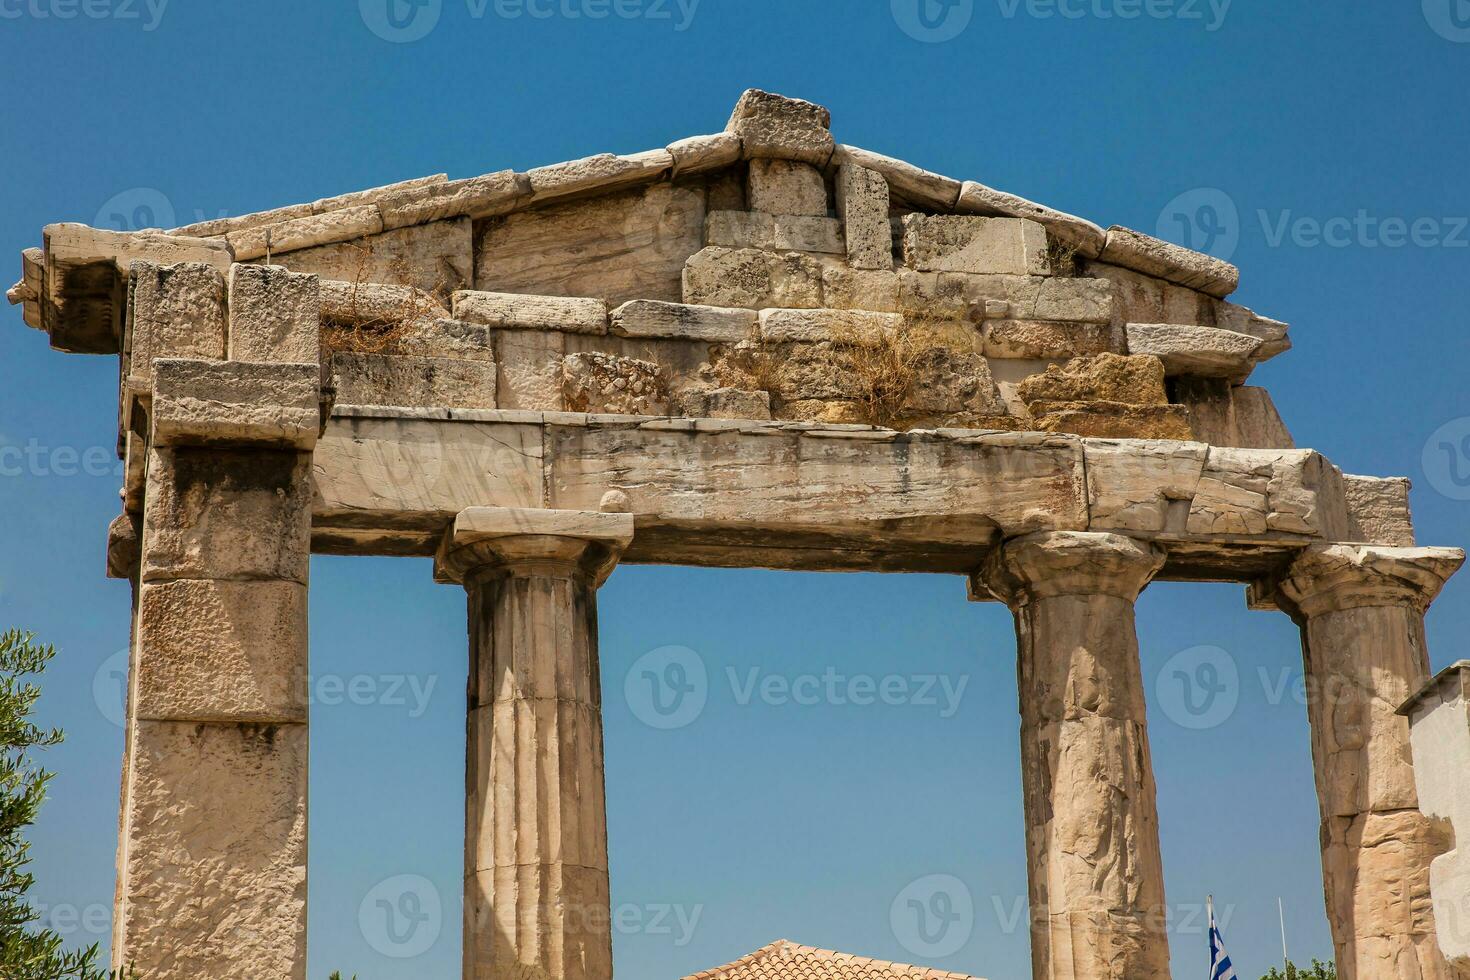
column 785, row 960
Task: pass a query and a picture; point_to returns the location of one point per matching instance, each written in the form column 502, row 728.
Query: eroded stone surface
column 275, row 315
column 1198, row 351
column 522, row 312
column 862, row 203
column 235, row 402
column 402, row 379
column 773, row 126
column 612, row 385
column 787, row 187
column 960, row 243
column 176, row 311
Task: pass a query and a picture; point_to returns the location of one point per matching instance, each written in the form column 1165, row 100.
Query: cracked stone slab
column 1207, row 352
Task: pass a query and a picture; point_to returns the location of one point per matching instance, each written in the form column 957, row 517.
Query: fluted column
column 1092, row 830
column 1361, row 610
column 536, row 879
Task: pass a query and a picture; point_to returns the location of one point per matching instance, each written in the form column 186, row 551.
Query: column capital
column 514, row 540
column 1332, row 577
column 1056, row 563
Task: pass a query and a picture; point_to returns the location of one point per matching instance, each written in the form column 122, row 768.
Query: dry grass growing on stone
column 373, row 327
column 888, row 368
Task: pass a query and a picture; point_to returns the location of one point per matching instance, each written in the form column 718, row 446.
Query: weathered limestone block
column 1141, row 485
column 774, row 127
column 787, row 187
column 1439, row 733
column 1116, row 420
column 1253, row 491
column 726, row 403
column 202, row 402
column 911, row 184
column 124, row 555
column 1041, row 339
column 1188, row 307
column 413, row 381
column 275, row 315
column 601, row 172
column 308, row 231
column 1085, row 300
column 696, row 154
column 474, row 197
column 433, row 258
column 32, row 287
column 1104, row 377
column 371, row 303
column 756, row 229
column 373, row 195
column 529, row 375
column 216, row 513
column 1273, row 333
column 965, row 243
column 1079, row 233
column 522, row 312
column 446, row 337
column 1207, row 352
column 955, row 296
column 814, row 326
column 176, row 311
column 821, row 371
column 714, row 324
column 220, row 227
column 752, row 279
column 536, row 823
column 222, row 651
column 1223, row 414
column 952, row 385
column 834, row 411
column 612, row 385
column 213, row 874
column 1140, row 297
column 1378, row 510
column 862, row 204
column 621, row 246
column 1257, row 423
column 1362, row 613
column 1174, row 263
column 859, row 289
column 1096, row 874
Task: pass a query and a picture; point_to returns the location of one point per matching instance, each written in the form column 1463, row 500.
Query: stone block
column 523, row 312
column 787, row 187
column 1079, row 233
column 176, row 311
column 1083, row 300
column 956, row 296
column 814, row 326
column 1226, row 415
column 308, row 231
column 1174, row 263
column 213, row 651
column 436, row 257
column 414, row 381
column 1141, row 485
column 859, row 289
column 530, row 374
column 696, row 154
column 756, row 229
column 220, row 227
column 213, row 876
column 862, row 204
column 603, row 172
column 1140, row 297
column 752, row 279
column 1102, row 377
column 965, row 243
column 1201, row 351
column 1273, row 333
column 216, row 513
column 609, row 384
column 618, row 246
column 1113, row 420
column 1186, row 307
column 275, row 315
column 1246, row 491
column 774, row 127
column 711, row 324
column 1378, row 511
column 445, row 337
column 373, row 195
column 913, row 185
column 473, row 198
column 1043, row 339
column 372, row 304
column 235, row 402
column 727, row 403
column 951, row 383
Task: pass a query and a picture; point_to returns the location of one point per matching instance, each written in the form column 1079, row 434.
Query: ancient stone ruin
column 758, row 348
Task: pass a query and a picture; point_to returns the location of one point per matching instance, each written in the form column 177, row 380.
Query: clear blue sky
column 761, row 819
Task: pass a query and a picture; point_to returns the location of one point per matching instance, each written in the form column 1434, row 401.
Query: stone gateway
column 757, row 348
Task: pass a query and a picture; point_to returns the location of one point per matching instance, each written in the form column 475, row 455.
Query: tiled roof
column 785, row 960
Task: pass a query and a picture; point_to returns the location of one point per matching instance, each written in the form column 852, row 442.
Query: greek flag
column 1220, row 968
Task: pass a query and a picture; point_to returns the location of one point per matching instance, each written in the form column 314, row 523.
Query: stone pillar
column 212, row 844
column 536, row 879
column 1092, row 828
column 1361, row 610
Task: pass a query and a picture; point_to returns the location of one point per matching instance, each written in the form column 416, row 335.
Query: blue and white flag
column 1220, row 968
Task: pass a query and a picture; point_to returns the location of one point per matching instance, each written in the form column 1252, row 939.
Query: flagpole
column 1281, row 911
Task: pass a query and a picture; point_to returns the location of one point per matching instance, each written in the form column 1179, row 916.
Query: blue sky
column 1321, row 145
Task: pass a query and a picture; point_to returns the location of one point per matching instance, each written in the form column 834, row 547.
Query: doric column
column 1092, row 829
column 212, row 843
column 536, row 882
column 1361, row 610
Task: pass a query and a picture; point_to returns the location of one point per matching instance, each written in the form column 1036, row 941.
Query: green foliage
column 1318, row 971
column 337, row 975
column 27, row 952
